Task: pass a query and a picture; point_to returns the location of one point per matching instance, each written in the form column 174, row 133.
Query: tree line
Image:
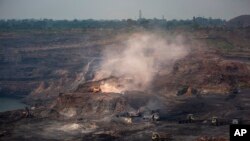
column 14, row 24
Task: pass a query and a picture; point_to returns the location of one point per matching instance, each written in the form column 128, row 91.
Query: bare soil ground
column 87, row 125
column 213, row 80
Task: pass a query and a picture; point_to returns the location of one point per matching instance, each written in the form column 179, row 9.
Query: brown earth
column 213, row 80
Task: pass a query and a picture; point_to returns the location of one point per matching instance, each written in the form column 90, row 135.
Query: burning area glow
column 107, row 88
column 70, row 127
column 140, row 58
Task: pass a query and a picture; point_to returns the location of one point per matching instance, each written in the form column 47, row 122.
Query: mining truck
column 239, row 121
column 236, row 121
column 153, row 116
column 161, row 136
column 190, row 119
column 218, row 122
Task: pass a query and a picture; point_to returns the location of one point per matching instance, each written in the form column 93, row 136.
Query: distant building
column 140, row 15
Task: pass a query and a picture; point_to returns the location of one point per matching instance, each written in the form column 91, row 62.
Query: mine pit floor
column 48, row 129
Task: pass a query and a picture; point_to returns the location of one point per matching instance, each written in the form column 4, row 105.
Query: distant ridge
column 240, row 21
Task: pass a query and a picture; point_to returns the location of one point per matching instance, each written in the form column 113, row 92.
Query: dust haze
column 137, row 60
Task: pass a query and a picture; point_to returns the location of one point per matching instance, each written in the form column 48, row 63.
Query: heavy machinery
column 190, row 119
column 161, row 136
column 154, row 116
column 239, row 121
column 218, row 122
column 236, row 121
column 135, row 117
column 214, row 121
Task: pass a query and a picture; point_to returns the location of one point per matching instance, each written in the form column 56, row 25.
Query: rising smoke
column 138, row 60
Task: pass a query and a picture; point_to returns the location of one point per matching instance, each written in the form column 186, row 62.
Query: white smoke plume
column 138, row 60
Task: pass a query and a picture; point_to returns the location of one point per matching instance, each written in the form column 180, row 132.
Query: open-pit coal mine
column 124, row 84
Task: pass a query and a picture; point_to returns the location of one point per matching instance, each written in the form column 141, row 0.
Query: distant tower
column 140, row 15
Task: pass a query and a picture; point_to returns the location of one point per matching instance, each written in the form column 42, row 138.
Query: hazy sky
column 122, row 9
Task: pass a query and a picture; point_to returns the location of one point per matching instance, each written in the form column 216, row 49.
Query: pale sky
column 122, row 9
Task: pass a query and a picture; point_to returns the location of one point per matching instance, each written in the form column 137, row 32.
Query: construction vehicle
column 161, row 136
column 189, row 119
column 218, row 122
column 237, row 121
column 134, row 117
column 95, row 89
column 153, row 116
column 215, row 121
